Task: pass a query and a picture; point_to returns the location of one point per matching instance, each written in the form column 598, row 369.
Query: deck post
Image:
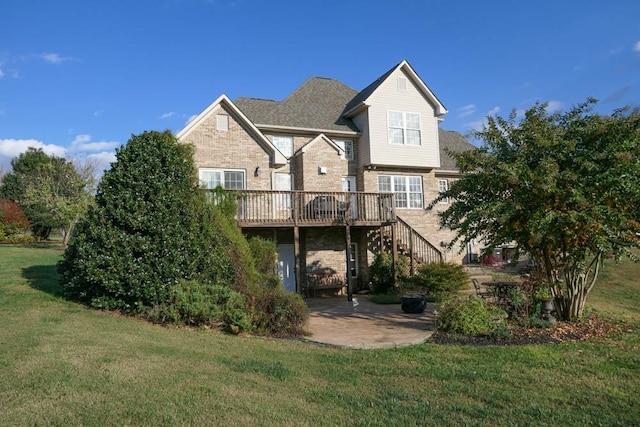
column 347, row 231
column 394, row 254
column 297, row 259
column 411, row 253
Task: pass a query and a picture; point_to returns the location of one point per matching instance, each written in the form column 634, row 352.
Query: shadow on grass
column 43, row 278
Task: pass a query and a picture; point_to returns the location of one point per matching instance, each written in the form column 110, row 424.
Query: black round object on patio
column 414, row 303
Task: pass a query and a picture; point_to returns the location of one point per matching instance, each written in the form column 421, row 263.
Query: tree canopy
column 49, row 190
column 564, row 186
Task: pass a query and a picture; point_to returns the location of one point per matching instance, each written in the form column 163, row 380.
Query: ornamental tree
column 564, row 186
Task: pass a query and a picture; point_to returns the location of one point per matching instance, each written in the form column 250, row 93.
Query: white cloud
column 54, row 58
column 82, row 143
column 475, row 125
column 636, row 47
column 467, row 110
column 166, row 115
column 11, row 148
column 102, row 160
column 190, row 119
column 553, row 106
column 493, row 111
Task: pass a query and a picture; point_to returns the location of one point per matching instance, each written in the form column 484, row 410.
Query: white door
column 349, row 185
column 282, row 202
column 286, row 266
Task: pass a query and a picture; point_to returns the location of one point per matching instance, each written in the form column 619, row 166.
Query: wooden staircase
column 410, row 244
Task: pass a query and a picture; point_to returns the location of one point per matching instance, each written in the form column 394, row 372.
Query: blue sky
column 77, row 78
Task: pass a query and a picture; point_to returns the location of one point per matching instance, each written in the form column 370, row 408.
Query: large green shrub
column 470, row 316
column 439, row 280
column 142, row 236
column 154, row 245
column 381, row 271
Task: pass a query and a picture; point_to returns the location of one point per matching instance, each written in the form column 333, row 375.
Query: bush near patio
column 153, row 246
column 440, row 280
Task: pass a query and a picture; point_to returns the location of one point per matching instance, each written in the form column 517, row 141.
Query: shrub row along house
column 333, row 175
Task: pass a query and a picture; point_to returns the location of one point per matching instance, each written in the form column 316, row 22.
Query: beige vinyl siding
column 363, row 155
column 386, row 98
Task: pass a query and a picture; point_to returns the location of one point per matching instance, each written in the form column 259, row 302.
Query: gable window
column 403, row 128
column 284, row 144
column 407, row 189
column 222, row 122
column 229, row 179
column 443, row 185
column 347, row 146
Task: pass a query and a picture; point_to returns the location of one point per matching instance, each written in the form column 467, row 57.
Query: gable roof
column 360, row 100
column 321, row 137
column 453, row 141
column 316, row 104
column 278, row 157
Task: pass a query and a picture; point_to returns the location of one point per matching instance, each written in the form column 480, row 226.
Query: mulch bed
column 588, row 329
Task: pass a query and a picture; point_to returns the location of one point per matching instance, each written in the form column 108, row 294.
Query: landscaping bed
column 592, row 328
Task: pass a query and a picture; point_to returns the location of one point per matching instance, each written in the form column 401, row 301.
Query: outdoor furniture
column 325, row 280
column 501, row 290
column 479, row 292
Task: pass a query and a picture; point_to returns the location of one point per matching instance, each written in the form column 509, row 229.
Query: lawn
column 63, row 364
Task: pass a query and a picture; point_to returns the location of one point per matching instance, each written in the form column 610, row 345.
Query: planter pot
column 414, row 303
column 547, row 305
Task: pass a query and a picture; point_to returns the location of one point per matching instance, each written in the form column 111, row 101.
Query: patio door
column 283, row 203
column 286, row 266
column 349, row 186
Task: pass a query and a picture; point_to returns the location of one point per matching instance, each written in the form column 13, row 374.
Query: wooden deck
column 270, row 208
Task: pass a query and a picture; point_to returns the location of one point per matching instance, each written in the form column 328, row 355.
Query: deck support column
column 347, row 231
column 297, row 259
column 394, row 254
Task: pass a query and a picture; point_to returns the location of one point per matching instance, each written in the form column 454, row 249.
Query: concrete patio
column 365, row 325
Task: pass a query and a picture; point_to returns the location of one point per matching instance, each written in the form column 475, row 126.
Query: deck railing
column 273, row 207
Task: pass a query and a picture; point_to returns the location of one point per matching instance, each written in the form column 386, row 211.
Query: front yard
column 63, row 364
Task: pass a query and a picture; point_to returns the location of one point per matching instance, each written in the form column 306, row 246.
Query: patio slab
column 363, row 324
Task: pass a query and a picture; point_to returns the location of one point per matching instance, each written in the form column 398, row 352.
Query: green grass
column 63, row 364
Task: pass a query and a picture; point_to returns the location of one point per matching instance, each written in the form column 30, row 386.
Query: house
column 333, row 175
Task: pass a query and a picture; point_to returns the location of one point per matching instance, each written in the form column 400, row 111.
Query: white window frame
column 443, row 185
column 278, row 141
column 222, row 178
column 407, row 131
column 222, row 122
column 347, row 149
column 404, row 187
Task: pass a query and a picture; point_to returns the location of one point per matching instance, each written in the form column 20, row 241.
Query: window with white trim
column 407, row 189
column 443, row 185
column 347, row 146
column 222, row 122
column 404, row 128
column 229, row 179
column 284, row 144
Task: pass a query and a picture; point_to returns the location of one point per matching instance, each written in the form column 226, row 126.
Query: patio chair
column 479, row 292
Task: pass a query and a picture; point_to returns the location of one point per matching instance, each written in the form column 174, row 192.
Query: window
column 407, row 189
column 443, row 185
column 353, row 260
column 403, row 128
column 229, row 179
column 284, row 144
column 222, row 122
column 347, row 146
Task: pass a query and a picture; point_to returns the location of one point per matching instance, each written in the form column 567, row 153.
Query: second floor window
column 443, row 185
column 347, row 146
column 407, row 189
column 229, row 179
column 284, row 144
column 403, row 128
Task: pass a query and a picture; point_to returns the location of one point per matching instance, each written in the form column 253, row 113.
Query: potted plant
column 543, row 294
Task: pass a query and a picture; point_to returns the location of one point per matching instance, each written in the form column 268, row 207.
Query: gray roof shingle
column 453, row 141
column 317, row 104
